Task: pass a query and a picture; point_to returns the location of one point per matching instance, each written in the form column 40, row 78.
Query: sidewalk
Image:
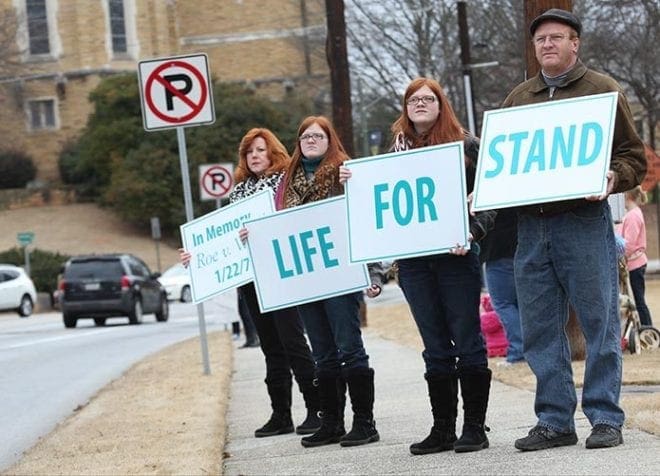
column 402, row 414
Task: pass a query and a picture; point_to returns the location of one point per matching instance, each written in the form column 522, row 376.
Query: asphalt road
column 47, row 371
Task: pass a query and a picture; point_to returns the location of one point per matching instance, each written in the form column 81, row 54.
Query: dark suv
column 102, row 286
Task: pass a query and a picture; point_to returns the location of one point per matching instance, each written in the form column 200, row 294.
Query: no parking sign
column 215, row 180
column 176, row 92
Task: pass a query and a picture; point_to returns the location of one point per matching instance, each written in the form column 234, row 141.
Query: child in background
column 491, row 327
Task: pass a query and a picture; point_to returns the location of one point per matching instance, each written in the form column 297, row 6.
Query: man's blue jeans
column 333, row 328
column 570, row 257
column 502, row 289
column 443, row 294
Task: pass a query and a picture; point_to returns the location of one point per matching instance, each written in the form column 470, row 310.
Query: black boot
column 310, row 393
column 475, row 387
column 332, row 425
column 443, row 393
column 360, row 382
column 280, row 421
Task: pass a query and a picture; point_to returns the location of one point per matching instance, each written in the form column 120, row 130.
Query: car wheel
column 163, row 314
column 186, row 295
column 135, row 317
column 99, row 321
column 26, row 307
column 69, row 321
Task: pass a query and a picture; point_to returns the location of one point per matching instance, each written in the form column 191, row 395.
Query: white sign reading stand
column 406, row 204
column 545, row 152
column 300, row 255
column 219, row 260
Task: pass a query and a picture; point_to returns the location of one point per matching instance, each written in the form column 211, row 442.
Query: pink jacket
column 491, row 327
column 633, row 230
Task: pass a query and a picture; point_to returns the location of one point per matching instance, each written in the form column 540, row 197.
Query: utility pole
column 337, row 57
column 534, row 8
column 464, row 39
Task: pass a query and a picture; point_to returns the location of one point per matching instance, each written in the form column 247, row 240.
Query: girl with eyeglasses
column 333, row 324
column 262, row 164
column 443, row 290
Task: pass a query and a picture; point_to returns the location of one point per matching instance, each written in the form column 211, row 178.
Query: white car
column 176, row 281
column 17, row 291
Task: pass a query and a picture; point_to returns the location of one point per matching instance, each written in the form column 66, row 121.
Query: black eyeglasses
column 414, row 100
column 314, row 135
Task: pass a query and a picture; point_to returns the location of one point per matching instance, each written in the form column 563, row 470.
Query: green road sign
column 25, row 238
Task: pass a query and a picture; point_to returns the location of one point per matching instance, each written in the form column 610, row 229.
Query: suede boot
column 360, row 382
column 475, row 388
column 312, row 422
column 443, row 393
column 280, row 421
column 332, row 424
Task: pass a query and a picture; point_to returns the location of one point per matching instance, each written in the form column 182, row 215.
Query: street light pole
column 363, row 120
column 464, row 40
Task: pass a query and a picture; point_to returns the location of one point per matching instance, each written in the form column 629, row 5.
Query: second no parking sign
column 176, row 92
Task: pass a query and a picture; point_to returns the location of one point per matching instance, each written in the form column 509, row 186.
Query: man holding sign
column 566, row 254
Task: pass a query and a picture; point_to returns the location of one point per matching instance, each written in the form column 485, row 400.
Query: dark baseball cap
column 558, row 15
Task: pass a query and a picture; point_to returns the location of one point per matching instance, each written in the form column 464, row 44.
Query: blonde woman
column 633, row 230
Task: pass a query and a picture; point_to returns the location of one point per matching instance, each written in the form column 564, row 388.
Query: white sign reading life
column 176, row 92
column 406, row 204
column 545, row 152
column 219, row 259
column 300, row 255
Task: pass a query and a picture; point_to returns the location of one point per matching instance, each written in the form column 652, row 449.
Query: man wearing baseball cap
column 566, row 254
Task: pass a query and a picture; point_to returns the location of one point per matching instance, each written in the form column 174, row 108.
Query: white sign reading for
column 219, row 260
column 406, row 204
column 215, row 180
column 176, row 92
column 300, row 255
column 555, row 150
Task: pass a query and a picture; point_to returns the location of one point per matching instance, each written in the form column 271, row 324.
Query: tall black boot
column 360, row 382
column 332, row 425
column 443, row 393
column 341, row 399
column 280, row 420
column 475, row 388
column 310, row 393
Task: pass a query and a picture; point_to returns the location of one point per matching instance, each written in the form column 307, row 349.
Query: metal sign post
column 24, row 239
column 155, row 234
column 177, row 92
column 187, row 198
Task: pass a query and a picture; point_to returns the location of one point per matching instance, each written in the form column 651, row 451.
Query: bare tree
column 392, row 42
column 395, row 41
column 621, row 38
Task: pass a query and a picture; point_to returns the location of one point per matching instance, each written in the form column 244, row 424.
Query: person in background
column 492, row 329
column 567, row 253
column 443, row 290
column 251, row 337
column 262, row 163
column 497, row 251
column 633, row 231
column 333, row 324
